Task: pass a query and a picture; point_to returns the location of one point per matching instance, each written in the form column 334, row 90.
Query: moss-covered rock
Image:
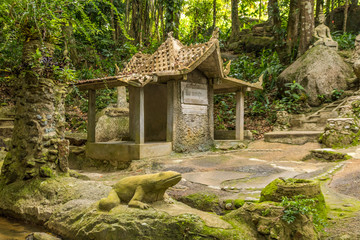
column 203, row 201
column 341, row 133
column 266, row 220
column 279, row 188
column 327, row 155
column 319, row 71
column 68, row 207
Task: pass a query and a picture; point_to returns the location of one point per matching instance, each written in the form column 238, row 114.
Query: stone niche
column 192, row 113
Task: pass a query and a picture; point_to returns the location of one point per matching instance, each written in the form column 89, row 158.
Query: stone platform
column 118, row 153
column 293, row 137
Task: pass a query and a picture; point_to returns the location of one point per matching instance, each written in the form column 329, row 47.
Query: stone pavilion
column 171, row 95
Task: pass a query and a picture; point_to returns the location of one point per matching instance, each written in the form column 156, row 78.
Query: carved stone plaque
column 194, row 109
column 194, row 93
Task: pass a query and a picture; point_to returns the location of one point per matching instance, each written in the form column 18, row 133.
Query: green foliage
column 336, row 94
column 345, row 40
column 301, row 205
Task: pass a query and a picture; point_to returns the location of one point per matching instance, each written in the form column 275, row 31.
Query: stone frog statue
column 137, row 191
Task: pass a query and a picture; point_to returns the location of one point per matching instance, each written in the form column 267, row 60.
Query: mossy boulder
column 340, row 133
column 328, row 155
column 266, row 220
column 69, row 207
column 113, row 124
column 203, row 201
column 279, row 188
column 319, row 71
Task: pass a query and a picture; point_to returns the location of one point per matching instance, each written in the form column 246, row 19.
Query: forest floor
column 241, row 174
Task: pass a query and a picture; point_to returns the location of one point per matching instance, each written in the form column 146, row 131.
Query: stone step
column 293, row 137
column 6, row 122
column 6, row 132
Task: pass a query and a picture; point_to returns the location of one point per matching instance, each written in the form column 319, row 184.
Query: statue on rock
column 322, row 34
column 137, row 191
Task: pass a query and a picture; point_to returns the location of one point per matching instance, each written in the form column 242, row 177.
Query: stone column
column 137, row 125
column 170, row 111
column 240, row 96
column 91, row 116
column 121, row 98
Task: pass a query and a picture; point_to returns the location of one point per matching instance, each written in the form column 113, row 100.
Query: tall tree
column 306, row 25
column 235, row 22
column 274, row 13
column 293, row 26
column 345, row 14
column 214, row 14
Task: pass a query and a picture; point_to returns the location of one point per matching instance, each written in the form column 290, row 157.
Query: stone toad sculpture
column 136, row 190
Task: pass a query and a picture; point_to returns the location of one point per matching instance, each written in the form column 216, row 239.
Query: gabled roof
column 171, row 59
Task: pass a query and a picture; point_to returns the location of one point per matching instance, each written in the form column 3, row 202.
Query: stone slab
column 211, row 220
column 293, row 137
column 194, row 93
column 123, row 152
column 194, row 109
column 213, row 178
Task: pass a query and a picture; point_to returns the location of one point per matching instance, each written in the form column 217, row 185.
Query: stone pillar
column 170, row 111
column 121, row 98
column 137, row 125
column 240, row 96
column 91, row 116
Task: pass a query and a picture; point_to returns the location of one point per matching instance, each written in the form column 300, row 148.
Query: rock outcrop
column 69, row 207
column 319, row 71
column 356, row 57
column 113, row 124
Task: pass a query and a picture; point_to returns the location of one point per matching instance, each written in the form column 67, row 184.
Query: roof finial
column 215, row 34
column 170, row 34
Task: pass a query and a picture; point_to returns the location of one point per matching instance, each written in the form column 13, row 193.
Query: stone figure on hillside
column 322, row 34
column 137, row 191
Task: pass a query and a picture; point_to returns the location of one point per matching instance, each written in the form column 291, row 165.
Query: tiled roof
column 170, row 59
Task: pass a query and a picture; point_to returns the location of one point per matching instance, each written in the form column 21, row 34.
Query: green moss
column 46, row 171
column 270, row 189
column 238, row 203
column 202, row 201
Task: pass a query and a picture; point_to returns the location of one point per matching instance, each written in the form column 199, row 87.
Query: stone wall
column 193, row 113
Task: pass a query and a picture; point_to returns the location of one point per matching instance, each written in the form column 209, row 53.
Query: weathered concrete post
column 170, row 111
column 91, row 116
column 240, row 96
column 138, row 121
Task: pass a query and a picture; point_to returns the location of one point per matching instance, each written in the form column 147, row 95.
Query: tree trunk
column 70, row 43
column 38, row 145
column 136, row 21
column 346, row 14
column 306, row 25
column 235, row 22
column 274, row 13
column 274, row 18
column 293, row 26
column 214, row 15
column 260, row 9
column 169, row 16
